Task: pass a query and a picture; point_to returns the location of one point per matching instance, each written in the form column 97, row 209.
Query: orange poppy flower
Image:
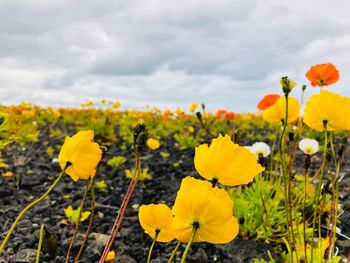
column 230, row 115
column 323, row 75
column 267, row 101
column 220, row 113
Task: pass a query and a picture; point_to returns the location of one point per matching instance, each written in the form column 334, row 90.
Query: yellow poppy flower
column 210, row 209
column 157, row 218
column 153, row 144
column 193, row 107
column 226, row 162
column 277, row 112
column 111, row 256
column 82, row 153
column 327, row 107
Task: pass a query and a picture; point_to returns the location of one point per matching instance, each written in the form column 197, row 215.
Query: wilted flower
column 267, row 101
column 260, row 148
column 277, row 112
column 193, row 107
column 207, row 208
column 153, row 144
column 82, row 155
column 323, row 75
column 308, row 146
column 327, row 109
column 226, row 162
column 156, row 219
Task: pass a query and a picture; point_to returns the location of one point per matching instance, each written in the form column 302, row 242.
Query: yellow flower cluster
column 323, row 111
column 203, row 212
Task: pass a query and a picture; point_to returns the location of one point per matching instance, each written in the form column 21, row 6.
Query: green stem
column 272, row 168
column 187, row 249
column 171, row 259
column 21, row 214
column 290, row 201
column 78, row 221
column 318, row 192
column 334, row 207
column 265, row 213
column 41, row 236
column 304, row 212
column 284, row 174
column 152, row 246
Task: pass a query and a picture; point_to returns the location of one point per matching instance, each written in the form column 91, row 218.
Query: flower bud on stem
column 140, row 136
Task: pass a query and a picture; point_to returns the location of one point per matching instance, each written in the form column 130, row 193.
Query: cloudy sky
column 227, row 54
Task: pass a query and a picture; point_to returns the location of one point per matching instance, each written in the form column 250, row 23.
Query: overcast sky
column 166, row 53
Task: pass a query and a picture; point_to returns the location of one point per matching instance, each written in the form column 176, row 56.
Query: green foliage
column 186, row 141
column 164, row 154
column 73, row 214
column 56, row 133
column 116, row 161
column 267, row 226
column 101, row 186
column 144, row 175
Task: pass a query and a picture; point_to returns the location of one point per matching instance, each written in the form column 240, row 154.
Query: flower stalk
column 152, row 246
column 41, row 237
column 88, row 230
column 140, row 136
column 319, row 190
column 21, row 214
column 172, row 257
column 76, row 228
column 187, row 249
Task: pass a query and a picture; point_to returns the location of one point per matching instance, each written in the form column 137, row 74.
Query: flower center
column 195, row 225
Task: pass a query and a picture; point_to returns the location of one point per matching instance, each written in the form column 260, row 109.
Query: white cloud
column 227, row 54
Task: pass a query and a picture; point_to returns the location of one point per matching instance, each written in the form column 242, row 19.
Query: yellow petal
column 82, row 153
column 226, row 161
column 157, row 217
column 277, row 112
column 211, row 208
column 329, row 107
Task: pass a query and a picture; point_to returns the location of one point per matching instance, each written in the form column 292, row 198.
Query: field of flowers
column 100, row 184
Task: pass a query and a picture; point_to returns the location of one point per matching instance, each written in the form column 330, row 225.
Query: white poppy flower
column 308, row 146
column 260, row 148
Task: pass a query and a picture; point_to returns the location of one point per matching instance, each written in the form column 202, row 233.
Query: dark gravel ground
column 37, row 172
